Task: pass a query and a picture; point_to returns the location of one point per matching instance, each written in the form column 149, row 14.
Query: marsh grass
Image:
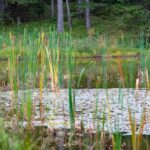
column 136, row 137
column 35, row 65
column 15, row 139
column 71, row 66
column 118, row 45
column 34, row 61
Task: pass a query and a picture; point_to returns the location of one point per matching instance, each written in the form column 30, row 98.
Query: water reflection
column 106, row 73
column 99, row 73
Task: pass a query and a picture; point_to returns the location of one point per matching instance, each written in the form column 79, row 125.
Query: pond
column 104, row 98
column 94, row 73
column 107, row 73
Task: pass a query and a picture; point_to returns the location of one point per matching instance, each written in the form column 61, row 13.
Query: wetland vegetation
column 65, row 85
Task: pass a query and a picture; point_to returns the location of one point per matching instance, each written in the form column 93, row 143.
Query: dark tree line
column 27, row 10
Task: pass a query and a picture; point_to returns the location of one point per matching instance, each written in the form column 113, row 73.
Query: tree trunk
column 87, row 16
column 60, row 15
column 68, row 14
column 52, row 9
column 2, row 7
column 79, row 9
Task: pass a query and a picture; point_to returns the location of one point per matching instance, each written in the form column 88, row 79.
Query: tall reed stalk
column 70, row 63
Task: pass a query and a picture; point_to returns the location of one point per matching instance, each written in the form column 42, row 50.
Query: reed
column 71, row 63
column 136, row 135
column 34, row 61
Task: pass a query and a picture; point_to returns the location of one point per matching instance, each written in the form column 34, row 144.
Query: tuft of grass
column 136, row 137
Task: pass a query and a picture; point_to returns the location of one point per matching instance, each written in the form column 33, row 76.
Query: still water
column 107, row 73
column 93, row 73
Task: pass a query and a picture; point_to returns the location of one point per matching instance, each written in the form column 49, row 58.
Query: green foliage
column 13, row 141
column 131, row 14
column 129, row 10
column 117, row 141
column 22, row 1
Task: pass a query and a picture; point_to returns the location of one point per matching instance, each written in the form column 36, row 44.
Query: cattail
column 139, row 80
